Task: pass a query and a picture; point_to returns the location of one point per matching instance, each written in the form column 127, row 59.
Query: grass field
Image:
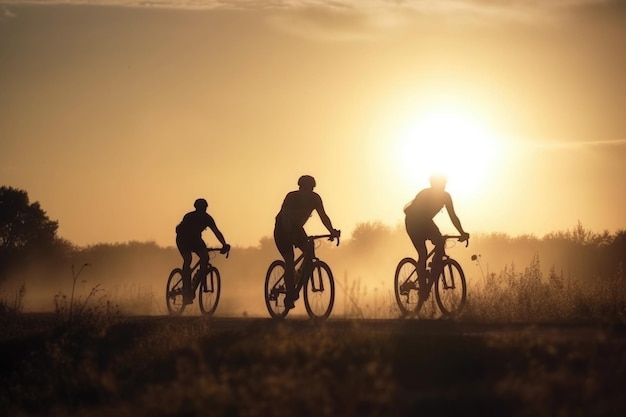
column 109, row 365
column 526, row 345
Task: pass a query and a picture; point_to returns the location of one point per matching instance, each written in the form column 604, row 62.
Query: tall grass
column 136, row 299
column 90, row 312
column 528, row 296
column 12, row 300
column 511, row 295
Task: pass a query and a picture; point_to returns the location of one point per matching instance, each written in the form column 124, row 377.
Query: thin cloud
column 586, row 144
column 350, row 20
column 360, row 19
column 486, row 7
column 5, row 13
column 574, row 145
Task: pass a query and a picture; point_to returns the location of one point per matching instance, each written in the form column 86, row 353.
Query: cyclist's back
column 426, row 204
column 296, row 209
column 193, row 224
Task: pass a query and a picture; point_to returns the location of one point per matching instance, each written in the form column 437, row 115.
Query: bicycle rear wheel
column 451, row 289
column 174, row 292
column 405, row 285
column 319, row 291
column 275, row 289
column 209, row 292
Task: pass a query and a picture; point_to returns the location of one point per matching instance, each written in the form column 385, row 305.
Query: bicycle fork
column 317, row 283
column 447, row 280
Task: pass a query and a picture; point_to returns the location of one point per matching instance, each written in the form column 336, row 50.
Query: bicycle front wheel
column 275, row 289
column 209, row 292
column 319, row 291
column 405, row 285
column 174, row 292
column 451, row 289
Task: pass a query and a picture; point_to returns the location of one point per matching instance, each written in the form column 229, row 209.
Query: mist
column 130, row 278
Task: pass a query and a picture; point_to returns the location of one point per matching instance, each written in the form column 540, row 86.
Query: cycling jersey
column 297, row 208
column 426, row 204
column 193, row 224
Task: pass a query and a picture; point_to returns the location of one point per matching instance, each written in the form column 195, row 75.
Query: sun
column 446, row 139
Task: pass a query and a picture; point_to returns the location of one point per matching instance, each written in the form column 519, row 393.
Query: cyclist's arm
column 324, row 217
column 218, row 234
column 453, row 217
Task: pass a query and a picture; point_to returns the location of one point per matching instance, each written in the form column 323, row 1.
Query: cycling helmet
column 306, row 181
column 201, row 204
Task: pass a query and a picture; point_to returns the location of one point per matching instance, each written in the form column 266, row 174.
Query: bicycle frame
column 301, row 280
column 444, row 255
column 195, row 273
column 431, row 254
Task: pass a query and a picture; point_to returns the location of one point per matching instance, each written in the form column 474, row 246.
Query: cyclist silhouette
column 289, row 230
column 189, row 239
column 421, row 227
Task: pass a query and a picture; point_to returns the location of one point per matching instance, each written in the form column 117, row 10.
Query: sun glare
column 447, row 140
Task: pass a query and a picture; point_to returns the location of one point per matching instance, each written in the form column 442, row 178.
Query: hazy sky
column 117, row 115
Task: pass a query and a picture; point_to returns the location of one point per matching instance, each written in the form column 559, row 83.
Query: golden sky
column 116, row 116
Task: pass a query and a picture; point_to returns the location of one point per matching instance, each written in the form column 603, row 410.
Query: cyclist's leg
column 308, row 249
column 185, row 252
column 200, row 249
column 416, row 232
column 284, row 245
column 437, row 239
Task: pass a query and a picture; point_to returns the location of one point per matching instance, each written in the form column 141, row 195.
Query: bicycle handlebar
column 218, row 250
column 458, row 237
column 329, row 236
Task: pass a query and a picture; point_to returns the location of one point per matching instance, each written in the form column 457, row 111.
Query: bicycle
column 319, row 286
column 210, row 288
column 449, row 282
